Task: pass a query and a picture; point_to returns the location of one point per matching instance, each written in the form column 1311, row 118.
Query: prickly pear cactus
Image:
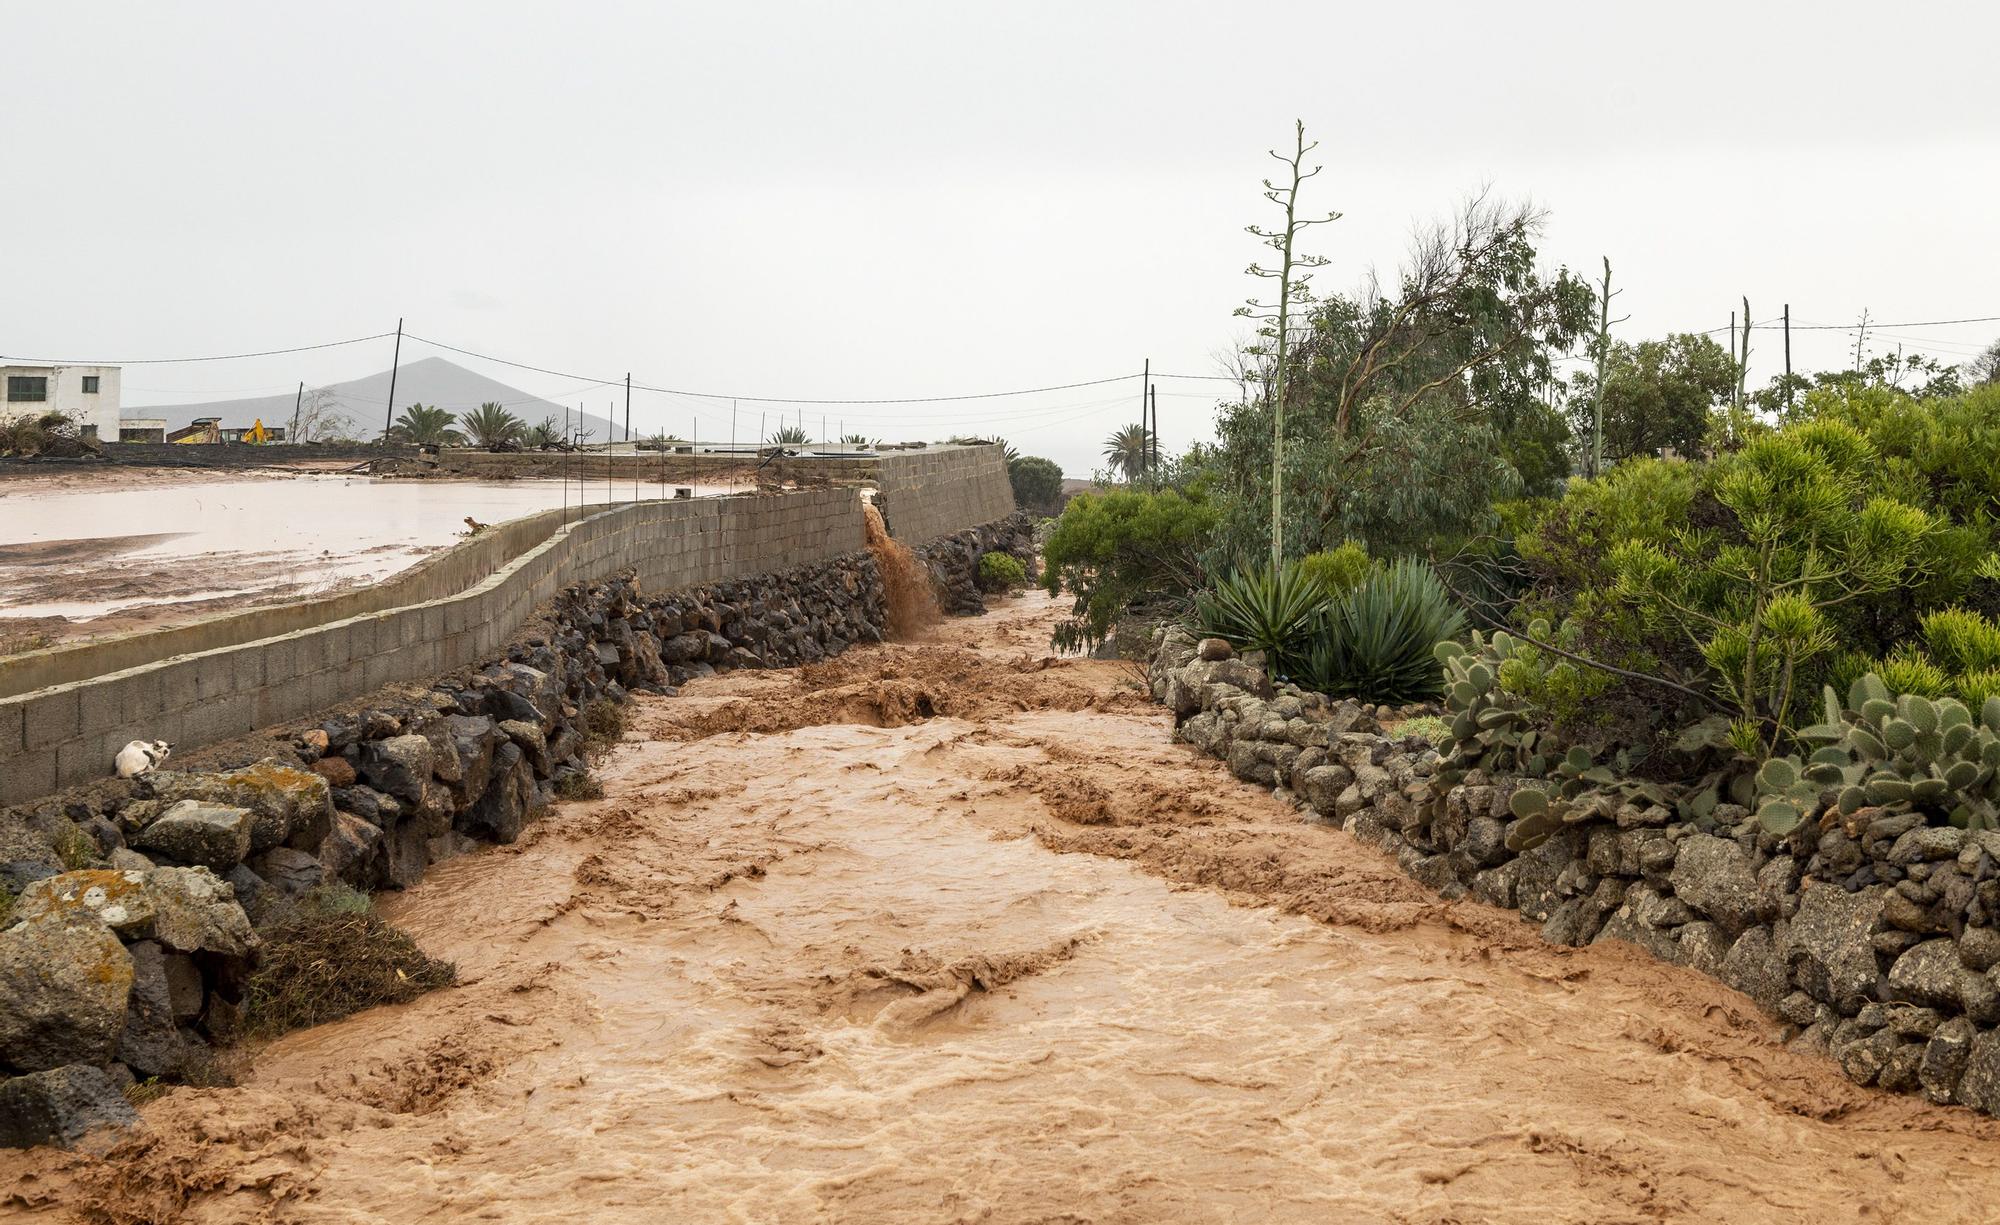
column 1903, row 753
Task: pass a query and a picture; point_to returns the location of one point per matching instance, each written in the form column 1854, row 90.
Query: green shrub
column 1111, row 550
column 1378, row 642
column 1037, row 483
column 1277, row 612
column 1001, row 572
column 1338, row 571
column 603, row 723
column 579, row 785
column 1427, row 727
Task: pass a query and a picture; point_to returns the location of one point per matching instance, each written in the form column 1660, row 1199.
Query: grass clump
column 603, row 723
column 330, row 956
column 1427, row 727
column 579, row 785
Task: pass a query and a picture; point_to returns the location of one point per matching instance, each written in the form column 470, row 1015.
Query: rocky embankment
column 1878, row 945
column 135, row 904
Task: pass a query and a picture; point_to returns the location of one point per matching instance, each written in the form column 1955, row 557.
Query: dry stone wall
column 1878, row 943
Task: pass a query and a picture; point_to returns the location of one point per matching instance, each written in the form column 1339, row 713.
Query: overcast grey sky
column 889, row 200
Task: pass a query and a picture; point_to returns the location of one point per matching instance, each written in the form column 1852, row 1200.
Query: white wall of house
column 87, row 394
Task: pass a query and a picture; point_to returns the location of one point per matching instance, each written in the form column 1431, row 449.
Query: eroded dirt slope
column 953, row 932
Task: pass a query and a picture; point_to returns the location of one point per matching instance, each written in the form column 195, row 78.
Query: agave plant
column 1273, row 611
column 426, row 425
column 789, row 436
column 493, row 426
column 1378, row 641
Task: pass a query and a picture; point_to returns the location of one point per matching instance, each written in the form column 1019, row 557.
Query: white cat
column 142, row 755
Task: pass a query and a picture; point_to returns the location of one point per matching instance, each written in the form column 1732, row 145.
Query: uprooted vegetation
column 331, row 956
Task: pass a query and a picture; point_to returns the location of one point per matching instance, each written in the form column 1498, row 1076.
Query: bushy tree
column 1111, row 549
column 1037, row 484
column 1657, row 394
column 1412, row 407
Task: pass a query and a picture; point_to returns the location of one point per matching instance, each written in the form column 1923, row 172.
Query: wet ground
column 105, row 551
column 952, row 931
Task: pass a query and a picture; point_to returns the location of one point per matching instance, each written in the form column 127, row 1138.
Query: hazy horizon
column 899, row 200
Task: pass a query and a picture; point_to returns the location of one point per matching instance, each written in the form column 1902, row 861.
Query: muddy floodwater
column 953, row 932
column 102, row 554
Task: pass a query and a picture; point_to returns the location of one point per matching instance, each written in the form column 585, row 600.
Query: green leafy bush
column 1278, row 612
column 1377, row 641
column 1001, row 572
column 1338, row 571
column 1111, row 550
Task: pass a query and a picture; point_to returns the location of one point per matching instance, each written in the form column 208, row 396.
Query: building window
column 27, row 388
column 90, row 384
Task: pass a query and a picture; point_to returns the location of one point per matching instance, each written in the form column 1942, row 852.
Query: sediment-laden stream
column 952, row 931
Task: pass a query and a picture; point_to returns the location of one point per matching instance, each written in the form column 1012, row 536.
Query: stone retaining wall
column 133, row 962
column 1877, row 941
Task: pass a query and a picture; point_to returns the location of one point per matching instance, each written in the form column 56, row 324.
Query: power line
column 720, row 395
column 171, row 361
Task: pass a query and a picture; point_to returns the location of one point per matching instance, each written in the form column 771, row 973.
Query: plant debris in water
column 331, row 957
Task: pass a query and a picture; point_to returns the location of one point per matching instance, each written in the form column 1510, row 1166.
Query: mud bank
column 819, row 955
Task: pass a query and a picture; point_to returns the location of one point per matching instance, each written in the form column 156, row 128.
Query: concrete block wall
column 931, row 493
column 64, row 734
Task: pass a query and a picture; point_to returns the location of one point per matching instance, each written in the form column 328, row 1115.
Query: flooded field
column 119, row 550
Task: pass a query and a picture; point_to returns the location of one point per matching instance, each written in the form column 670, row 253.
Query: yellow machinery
column 257, row 432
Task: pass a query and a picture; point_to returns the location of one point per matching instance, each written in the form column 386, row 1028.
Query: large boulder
column 64, row 980
column 1829, row 947
column 345, row 853
column 1755, row 966
column 61, row 1106
column 198, row 913
column 1714, row 876
column 289, row 806
column 503, row 809
column 1930, row 974
column 194, row 832
column 1979, row 1085
column 399, row 765
column 117, row 898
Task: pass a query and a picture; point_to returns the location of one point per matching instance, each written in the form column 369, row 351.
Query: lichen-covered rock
column 533, row 743
column 61, row 1106
column 1703, row 946
column 1945, row 1058
column 289, row 806
column 1755, row 967
column 1929, row 974
column 1714, row 876
column 194, row 832
column 1979, row 1085
column 1828, row 947
column 117, row 898
column 64, row 980
column 198, row 913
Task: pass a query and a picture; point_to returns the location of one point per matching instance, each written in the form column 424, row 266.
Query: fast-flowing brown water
column 953, row 932
column 913, row 606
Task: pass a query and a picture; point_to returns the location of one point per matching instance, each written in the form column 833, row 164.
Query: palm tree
column 789, row 436
column 493, row 426
column 856, row 440
column 1126, row 451
column 427, row 425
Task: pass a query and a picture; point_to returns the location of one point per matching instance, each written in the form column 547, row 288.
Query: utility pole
column 395, row 362
column 1788, row 357
column 297, row 404
column 1153, row 436
column 567, row 447
column 610, row 428
column 1145, row 387
column 732, row 446
column 628, row 436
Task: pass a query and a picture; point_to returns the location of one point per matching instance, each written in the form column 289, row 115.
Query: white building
column 87, row 395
